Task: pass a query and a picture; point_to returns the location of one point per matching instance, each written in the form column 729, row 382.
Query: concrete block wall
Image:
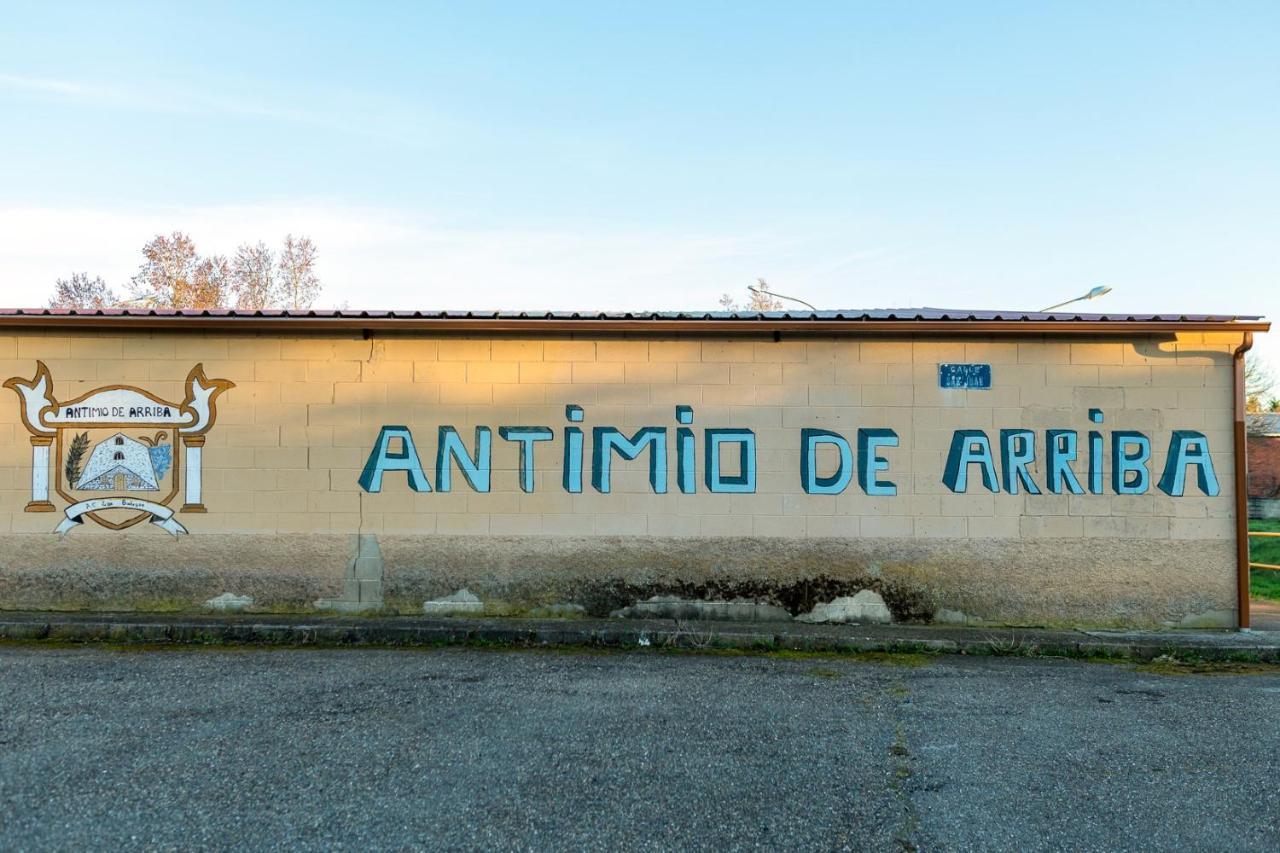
column 282, row 463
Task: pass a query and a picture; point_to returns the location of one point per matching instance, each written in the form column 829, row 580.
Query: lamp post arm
column 1100, row 290
column 1060, row 304
column 781, row 296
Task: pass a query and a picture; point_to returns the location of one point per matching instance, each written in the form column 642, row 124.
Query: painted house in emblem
column 119, row 462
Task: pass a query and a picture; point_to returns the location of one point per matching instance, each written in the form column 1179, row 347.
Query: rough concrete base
column 150, row 570
column 461, row 603
column 1099, row 582
column 1095, row 582
column 674, row 607
column 229, row 602
column 866, row 607
column 362, row 586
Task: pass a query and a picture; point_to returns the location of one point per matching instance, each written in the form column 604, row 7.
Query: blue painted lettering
column 452, row 450
column 832, row 484
column 606, row 440
column 384, row 459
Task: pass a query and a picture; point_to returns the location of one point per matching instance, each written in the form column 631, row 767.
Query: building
column 1263, row 431
column 119, row 463
column 980, row 467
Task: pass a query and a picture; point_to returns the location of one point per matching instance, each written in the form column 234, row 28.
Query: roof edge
column 827, row 322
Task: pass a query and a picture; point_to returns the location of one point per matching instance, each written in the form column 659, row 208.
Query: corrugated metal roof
column 853, row 321
column 852, row 315
column 1266, row 423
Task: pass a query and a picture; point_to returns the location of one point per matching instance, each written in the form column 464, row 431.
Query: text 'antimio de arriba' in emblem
column 118, row 455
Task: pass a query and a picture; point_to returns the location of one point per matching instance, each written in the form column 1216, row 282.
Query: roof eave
column 761, row 325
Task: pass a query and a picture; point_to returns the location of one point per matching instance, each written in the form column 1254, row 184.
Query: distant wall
column 1264, row 466
column 302, row 447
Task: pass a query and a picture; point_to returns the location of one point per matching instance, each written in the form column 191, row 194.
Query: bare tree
column 253, row 272
column 80, row 291
column 299, row 284
column 174, row 275
column 758, row 299
column 211, row 285
column 1260, row 426
column 166, row 278
column 1258, row 379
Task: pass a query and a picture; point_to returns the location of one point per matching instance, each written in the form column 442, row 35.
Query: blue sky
column 656, row 155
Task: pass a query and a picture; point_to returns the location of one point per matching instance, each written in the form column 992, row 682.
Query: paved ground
column 511, row 749
column 1264, row 614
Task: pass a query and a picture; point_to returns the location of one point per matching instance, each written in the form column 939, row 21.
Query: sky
column 658, row 155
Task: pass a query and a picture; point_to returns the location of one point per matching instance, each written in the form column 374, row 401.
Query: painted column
column 40, row 445
column 193, row 446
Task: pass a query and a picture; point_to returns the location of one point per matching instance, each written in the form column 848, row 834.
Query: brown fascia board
column 559, row 326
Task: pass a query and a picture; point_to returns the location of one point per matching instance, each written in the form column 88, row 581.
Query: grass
column 1265, row 583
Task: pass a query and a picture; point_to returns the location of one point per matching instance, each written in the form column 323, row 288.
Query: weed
column 1010, row 646
column 687, row 635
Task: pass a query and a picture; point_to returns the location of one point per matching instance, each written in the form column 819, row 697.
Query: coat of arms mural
column 118, row 455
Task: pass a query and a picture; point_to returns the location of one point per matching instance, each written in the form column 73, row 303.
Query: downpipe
column 1242, row 487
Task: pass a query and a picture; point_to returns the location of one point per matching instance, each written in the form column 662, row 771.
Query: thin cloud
column 48, row 86
column 201, row 102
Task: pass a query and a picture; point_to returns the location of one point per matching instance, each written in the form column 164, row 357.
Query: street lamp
column 764, row 290
column 1100, row 290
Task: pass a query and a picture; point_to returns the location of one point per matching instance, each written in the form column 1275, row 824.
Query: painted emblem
column 118, row 455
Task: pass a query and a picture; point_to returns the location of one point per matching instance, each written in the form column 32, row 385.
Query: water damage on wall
column 819, row 599
column 789, row 597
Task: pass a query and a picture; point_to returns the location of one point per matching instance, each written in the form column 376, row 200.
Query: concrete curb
column 270, row 630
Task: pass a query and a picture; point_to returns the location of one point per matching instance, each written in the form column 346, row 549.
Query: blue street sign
column 964, row 375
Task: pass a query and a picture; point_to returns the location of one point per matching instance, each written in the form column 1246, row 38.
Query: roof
column 1267, row 423
column 853, row 319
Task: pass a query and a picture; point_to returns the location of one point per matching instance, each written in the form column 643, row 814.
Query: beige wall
column 281, row 465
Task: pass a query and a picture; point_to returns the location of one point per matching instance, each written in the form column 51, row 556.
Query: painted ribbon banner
column 119, row 406
column 161, row 515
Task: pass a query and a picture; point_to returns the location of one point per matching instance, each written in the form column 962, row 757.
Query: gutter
column 1242, row 486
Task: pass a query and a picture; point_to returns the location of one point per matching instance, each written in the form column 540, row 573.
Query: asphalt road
column 473, row 749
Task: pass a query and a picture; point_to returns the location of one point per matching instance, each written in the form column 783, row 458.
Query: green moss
column 1163, row 666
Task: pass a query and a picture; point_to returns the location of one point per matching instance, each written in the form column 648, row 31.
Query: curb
column 256, row 630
